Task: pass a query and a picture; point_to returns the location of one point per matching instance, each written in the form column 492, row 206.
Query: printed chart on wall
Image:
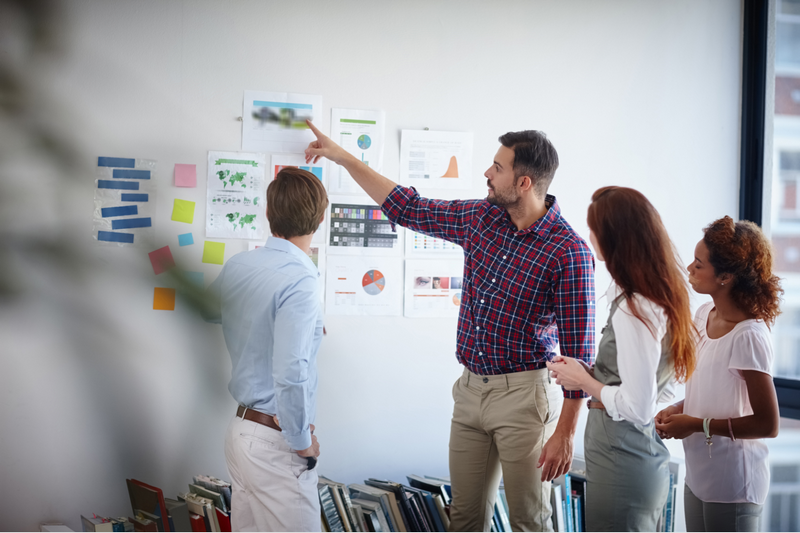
column 360, row 228
column 433, row 287
column 361, row 133
column 436, row 159
column 319, row 169
column 364, row 286
column 421, row 245
column 124, row 200
column 276, row 122
column 235, row 199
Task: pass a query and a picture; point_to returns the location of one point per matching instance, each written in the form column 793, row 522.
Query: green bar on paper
column 183, row 211
column 356, row 121
column 213, row 252
column 235, row 162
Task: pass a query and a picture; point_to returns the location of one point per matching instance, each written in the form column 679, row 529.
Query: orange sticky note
column 164, row 299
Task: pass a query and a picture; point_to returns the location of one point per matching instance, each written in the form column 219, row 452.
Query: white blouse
column 737, row 471
column 638, row 355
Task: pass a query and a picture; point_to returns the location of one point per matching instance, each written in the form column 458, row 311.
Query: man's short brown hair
column 296, row 202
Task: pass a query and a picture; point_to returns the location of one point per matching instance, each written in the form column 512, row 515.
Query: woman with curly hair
column 647, row 342
column 730, row 400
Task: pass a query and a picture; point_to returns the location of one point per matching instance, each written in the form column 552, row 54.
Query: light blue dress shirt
column 268, row 303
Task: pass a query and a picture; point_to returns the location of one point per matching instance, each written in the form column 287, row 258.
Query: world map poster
column 236, row 199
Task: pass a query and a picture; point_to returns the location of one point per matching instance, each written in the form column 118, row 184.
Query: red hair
column 642, row 260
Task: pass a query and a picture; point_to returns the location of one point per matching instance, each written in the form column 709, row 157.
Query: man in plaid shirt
column 528, row 287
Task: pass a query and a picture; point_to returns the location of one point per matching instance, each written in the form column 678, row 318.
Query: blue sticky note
column 185, row 239
column 122, row 162
column 124, row 173
column 121, row 211
column 128, row 223
column 195, row 278
column 133, row 197
column 112, row 236
column 125, row 185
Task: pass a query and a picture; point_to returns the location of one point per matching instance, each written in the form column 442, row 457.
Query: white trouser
column 272, row 487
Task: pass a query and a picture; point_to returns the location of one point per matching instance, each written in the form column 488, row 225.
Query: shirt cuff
column 609, row 398
column 574, row 394
column 298, row 442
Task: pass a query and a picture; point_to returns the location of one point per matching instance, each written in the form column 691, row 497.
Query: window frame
column 755, row 174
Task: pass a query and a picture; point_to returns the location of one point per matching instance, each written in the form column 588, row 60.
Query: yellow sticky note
column 164, row 299
column 213, row 252
column 183, row 211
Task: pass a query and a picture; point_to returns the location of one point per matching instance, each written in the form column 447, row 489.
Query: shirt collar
column 542, row 226
column 282, row 245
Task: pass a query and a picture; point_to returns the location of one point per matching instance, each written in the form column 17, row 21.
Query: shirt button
column 486, row 380
column 493, row 280
column 480, row 353
column 482, row 301
column 504, row 257
column 477, row 328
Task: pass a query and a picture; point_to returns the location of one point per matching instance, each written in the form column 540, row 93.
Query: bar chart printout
column 360, row 229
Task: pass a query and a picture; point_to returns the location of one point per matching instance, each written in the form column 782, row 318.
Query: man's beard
column 502, row 200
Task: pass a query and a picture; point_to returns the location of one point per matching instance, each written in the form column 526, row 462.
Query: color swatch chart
column 360, row 226
column 419, row 242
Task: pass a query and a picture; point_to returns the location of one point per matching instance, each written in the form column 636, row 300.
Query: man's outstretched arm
column 376, row 186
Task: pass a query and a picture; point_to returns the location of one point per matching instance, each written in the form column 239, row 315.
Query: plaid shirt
column 523, row 291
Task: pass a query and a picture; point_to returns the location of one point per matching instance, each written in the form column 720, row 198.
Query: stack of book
column 205, row 507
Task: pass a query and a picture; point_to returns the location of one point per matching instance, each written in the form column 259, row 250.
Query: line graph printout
column 319, row 169
column 361, row 133
column 364, row 286
column 436, row 159
column 421, row 245
column 235, row 197
column 356, row 227
column 276, row 122
column 433, row 287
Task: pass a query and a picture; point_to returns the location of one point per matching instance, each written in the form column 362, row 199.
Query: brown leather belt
column 595, row 405
column 257, row 416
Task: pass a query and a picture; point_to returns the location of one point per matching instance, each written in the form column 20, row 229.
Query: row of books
column 380, row 505
column 204, row 507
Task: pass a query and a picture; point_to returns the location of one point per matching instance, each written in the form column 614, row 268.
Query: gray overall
column 626, row 464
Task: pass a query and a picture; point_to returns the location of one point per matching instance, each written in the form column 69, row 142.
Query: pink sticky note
column 161, row 260
column 185, row 175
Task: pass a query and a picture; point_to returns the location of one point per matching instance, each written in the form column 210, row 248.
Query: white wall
column 97, row 387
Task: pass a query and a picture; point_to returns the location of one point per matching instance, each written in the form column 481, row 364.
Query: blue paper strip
column 120, row 162
column 126, row 185
column 121, row 211
column 111, row 236
column 128, row 223
column 125, row 174
column 131, row 197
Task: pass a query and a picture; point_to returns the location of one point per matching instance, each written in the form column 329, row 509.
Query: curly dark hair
column 741, row 249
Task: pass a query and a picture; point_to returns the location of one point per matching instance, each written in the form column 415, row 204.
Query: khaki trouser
column 503, row 422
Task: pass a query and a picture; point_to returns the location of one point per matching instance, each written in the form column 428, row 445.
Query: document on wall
column 364, row 286
column 317, row 255
column 124, row 201
column 433, row 287
column 358, row 227
column 319, row 169
column 436, row 159
column 276, row 122
column 235, row 198
column 421, row 245
column 361, row 133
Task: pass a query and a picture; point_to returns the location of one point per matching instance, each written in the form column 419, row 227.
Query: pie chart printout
column 364, row 141
column 373, row 282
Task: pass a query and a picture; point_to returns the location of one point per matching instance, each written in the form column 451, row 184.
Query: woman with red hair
column 730, row 400
column 647, row 341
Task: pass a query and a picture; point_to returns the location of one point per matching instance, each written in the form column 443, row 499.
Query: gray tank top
column 606, row 370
